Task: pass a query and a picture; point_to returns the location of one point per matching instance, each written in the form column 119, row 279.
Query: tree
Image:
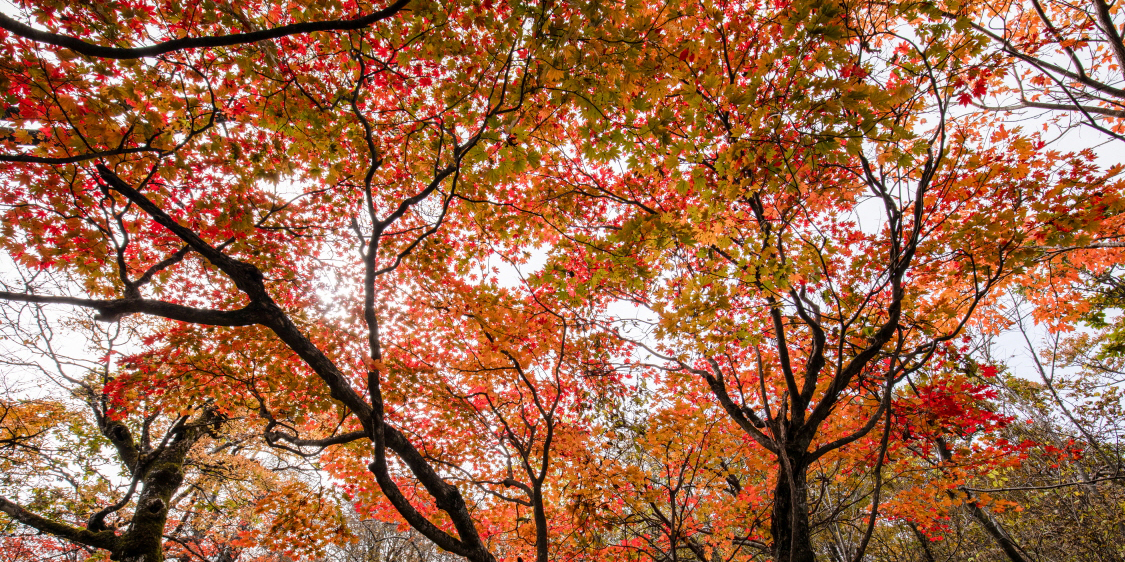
column 669, row 480
column 413, row 119
column 752, row 165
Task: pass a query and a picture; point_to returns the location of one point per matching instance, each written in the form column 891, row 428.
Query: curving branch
column 54, row 161
column 91, row 50
column 273, row 437
column 105, row 540
column 250, row 281
column 1028, row 104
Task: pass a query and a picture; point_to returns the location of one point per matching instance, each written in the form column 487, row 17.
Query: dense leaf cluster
column 560, row 280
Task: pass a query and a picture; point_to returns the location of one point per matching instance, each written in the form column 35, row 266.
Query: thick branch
column 990, row 524
column 91, row 50
column 1026, row 104
column 118, row 433
column 105, row 540
column 741, row 416
column 30, row 159
column 111, row 310
column 389, row 437
column 816, row 354
column 249, row 280
column 798, row 406
column 1105, row 21
column 1041, row 64
column 245, row 276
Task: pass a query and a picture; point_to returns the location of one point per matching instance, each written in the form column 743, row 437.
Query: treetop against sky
column 276, row 226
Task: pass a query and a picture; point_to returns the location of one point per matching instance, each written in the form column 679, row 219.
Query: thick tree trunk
column 789, row 522
column 144, row 542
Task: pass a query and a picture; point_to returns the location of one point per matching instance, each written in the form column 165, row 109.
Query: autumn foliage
column 550, row 280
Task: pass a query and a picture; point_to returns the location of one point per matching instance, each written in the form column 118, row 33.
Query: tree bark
column 789, row 521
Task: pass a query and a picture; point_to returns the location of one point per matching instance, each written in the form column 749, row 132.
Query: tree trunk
column 990, row 524
column 924, row 541
column 789, row 522
column 540, row 514
column 993, row 527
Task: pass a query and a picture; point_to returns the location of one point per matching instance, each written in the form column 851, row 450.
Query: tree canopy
column 548, row 280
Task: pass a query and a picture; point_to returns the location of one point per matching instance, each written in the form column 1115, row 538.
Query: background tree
column 670, row 480
column 89, row 471
column 378, row 541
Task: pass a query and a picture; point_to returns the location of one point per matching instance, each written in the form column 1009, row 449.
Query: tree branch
column 112, row 310
column 105, row 540
column 91, row 50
